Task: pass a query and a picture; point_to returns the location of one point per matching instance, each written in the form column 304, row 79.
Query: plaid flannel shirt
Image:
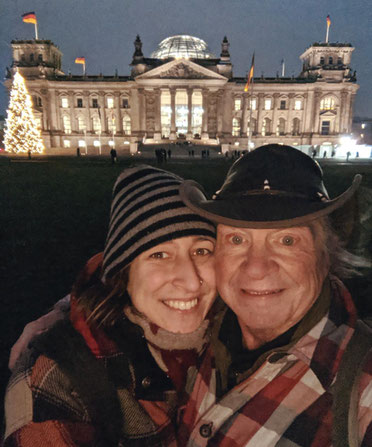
column 43, row 408
column 286, row 398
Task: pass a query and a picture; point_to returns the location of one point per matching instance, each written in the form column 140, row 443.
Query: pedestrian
column 78, row 151
column 113, row 155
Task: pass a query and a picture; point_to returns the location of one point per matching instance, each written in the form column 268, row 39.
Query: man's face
column 268, row 277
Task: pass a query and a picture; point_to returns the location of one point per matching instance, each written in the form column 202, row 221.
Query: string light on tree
column 22, row 133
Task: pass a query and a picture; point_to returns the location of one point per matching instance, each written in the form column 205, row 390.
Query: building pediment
column 328, row 113
column 181, row 69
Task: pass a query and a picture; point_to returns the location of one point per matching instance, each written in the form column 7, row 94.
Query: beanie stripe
column 147, row 210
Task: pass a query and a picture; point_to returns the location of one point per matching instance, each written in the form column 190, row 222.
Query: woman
column 115, row 372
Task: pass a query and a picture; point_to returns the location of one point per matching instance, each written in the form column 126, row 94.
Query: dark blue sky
column 103, row 32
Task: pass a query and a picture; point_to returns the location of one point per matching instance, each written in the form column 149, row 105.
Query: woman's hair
column 102, row 303
column 331, row 253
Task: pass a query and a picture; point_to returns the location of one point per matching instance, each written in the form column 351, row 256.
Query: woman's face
column 173, row 284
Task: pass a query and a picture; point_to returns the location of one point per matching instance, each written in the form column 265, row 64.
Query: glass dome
column 187, row 47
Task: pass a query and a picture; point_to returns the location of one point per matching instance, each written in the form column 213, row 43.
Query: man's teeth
column 181, row 305
column 264, row 292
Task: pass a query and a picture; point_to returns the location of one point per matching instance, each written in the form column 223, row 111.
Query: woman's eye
column 236, row 240
column 288, row 240
column 202, row 252
column 159, row 255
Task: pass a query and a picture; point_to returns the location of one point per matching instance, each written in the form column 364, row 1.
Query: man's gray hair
column 331, row 253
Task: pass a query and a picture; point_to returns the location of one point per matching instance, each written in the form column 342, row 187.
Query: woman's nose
column 186, row 275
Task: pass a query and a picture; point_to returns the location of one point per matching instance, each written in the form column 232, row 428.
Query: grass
column 54, row 215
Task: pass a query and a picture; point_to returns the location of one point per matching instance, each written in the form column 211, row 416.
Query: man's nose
column 258, row 262
column 186, row 275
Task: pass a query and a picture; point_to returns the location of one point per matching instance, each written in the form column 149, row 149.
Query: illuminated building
column 184, row 92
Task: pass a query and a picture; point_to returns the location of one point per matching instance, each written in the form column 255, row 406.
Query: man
column 269, row 378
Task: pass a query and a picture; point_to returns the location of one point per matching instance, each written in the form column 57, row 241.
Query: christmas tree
column 22, row 133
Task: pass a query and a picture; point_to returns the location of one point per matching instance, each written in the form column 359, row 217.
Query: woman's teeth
column 181, row 305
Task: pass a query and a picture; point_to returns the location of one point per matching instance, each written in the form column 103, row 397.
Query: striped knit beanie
column 146, row 210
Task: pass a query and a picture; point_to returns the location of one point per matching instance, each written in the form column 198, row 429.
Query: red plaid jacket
column 287, row 399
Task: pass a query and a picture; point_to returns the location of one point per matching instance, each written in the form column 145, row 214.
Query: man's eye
column 202, row 252
column 288, row 240
column 159, row 255
column 236, row 240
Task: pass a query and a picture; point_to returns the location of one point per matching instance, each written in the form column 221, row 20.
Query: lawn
column 54, row 215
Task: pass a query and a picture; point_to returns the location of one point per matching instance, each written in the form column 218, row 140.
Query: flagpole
column 36, row 32
column 328, row 25
column 84, row 69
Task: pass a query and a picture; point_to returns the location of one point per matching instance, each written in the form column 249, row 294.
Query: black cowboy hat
column 274, row 186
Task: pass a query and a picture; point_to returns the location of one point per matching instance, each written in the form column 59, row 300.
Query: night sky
column 103, row 32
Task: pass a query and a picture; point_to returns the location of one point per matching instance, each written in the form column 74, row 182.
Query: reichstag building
column 183, row 92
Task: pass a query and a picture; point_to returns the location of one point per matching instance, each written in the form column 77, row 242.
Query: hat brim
column 262, row 210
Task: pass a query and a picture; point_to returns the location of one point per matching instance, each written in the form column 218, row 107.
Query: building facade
column 184, row 92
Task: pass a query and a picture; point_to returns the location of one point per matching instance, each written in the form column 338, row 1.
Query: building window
column 111, row 124
column 127, row 128
column 325, row 127
column 110, row 102
column 125, row 103
column 66, row 124
column 40, row 58
column 23, row 58
column 363, row 126
column 96, row 143
column 267, row 104
column 321, row 60
column 95, row 103
column 253, row 104
column 330, row 60
column 31, row 57
column 37, row 101
column 266, row 127
column 82, row 143
column 280, row 130
column 235, row 127
column 298, row 104
column 81, row 124
column 296, row 126
column 283, row 104
column 66, row 143
column 64, row 102
column 79, row 102
column 96, row 124
column 327, row 103
column 237, row 104
column 339, row 60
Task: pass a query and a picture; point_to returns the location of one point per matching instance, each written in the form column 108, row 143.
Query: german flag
column 250, row 76
column 29, row 17
column 328, row 21
column 80, row 60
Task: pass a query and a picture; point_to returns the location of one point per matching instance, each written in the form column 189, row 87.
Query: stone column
column 157, row 134
column 342, row 112
column 102, row 110
column 244, row 123
column 118, row 120
column 260, row 104
column 275, row 113
column 71, row 103
column 88, row 117
column 189, row 115
column 220, row 110
column 316, row 110
column 142, row 111
column 173, row 135
column 205, row 135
